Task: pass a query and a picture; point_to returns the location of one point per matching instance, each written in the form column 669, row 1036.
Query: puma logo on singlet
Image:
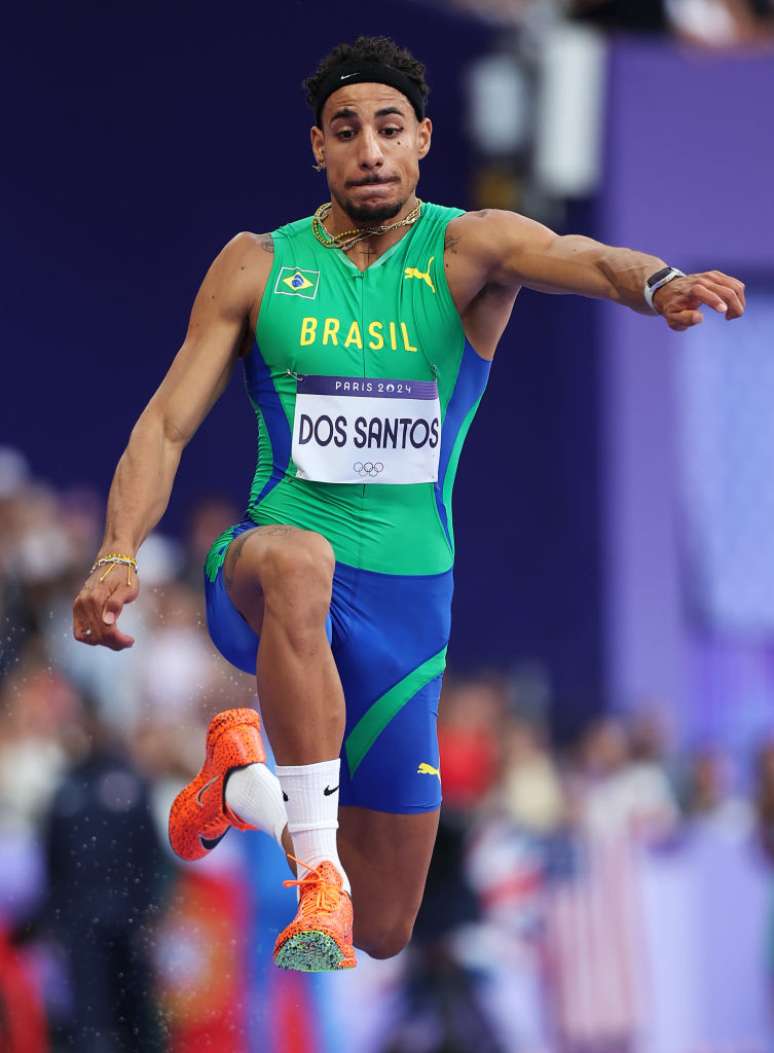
column 428, row 769
column 424, row 276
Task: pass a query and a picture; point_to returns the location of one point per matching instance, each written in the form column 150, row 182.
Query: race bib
column 367, row 430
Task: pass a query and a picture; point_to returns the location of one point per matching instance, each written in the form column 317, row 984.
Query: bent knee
column 383, row 942
column 296, row 578
column 300, row 557
column 297, row 552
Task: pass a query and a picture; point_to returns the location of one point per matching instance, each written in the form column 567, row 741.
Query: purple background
column 709, row 206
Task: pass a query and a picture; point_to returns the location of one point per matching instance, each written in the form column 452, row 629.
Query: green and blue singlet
column 364, row 388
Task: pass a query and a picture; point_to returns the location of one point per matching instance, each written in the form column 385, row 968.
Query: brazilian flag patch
column 296, row 281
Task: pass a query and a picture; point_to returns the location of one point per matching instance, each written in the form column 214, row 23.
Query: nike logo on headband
column 345, row 75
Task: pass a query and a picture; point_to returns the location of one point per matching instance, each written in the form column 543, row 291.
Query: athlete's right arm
column 143, row 480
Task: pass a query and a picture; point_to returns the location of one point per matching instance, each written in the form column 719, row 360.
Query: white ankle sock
column 255, row 794
column 312, row 801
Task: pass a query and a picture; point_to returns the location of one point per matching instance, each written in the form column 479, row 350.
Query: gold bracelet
column 112, row 560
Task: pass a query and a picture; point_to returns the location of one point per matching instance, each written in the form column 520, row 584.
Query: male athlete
column 366, row 334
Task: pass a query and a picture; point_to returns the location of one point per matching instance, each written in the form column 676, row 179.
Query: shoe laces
column 317, row 893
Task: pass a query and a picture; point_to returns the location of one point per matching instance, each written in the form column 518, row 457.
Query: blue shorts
column 388, row 635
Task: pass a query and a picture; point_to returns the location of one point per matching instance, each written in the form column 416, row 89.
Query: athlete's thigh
column 241, row 577
column 390, row 638
column 277, row 547
column 386, row 857
column 389, row 643
column 232, row 582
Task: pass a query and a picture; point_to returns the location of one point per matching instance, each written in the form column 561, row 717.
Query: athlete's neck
column 339, row 220
column 367, row 251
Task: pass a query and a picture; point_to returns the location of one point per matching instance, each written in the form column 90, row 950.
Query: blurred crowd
column 93, row 746
column 714, row 23
column 710, row 23
column 534, row 934
column 536, row 99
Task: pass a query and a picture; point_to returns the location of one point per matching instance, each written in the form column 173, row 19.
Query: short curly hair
column 368, row 49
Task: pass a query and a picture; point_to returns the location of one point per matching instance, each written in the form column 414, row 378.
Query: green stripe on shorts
column 217, row 554
column 384, row 709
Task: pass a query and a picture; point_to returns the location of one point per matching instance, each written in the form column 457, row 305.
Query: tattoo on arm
column 452, row 240
column 450, row 247
column 267, row 243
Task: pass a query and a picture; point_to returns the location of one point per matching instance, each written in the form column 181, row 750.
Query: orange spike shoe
column 319, row 939
column 199, row 818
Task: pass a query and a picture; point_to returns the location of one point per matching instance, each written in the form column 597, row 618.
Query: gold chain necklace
column 345, row 239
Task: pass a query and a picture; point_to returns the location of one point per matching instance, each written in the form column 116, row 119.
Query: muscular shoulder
column 480, row 250
column 247, row 243
column 486, row 234
column 248, row 254
column 238, row 274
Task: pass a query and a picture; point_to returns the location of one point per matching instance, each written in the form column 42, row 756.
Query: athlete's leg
column 386, row 857
column 268, row 595
column 280, row 578
column 391, row 658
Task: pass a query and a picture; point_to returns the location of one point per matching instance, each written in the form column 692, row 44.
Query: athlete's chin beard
column 370, row 215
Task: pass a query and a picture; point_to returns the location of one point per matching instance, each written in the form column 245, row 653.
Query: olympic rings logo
column 368, row 468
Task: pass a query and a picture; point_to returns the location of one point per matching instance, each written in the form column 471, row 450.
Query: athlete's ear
column 424, row 135
column 318, row 149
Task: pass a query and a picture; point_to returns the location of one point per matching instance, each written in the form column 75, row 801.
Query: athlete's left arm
column 523, row 252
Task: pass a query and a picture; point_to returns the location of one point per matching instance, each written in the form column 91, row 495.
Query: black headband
column 368, row 73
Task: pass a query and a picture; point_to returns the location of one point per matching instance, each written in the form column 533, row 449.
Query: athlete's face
column 371, row 144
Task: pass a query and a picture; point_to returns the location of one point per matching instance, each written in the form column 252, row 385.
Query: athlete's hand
column 680, row 301
column 99, row 604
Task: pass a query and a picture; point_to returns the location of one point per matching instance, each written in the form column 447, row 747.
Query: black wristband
column 657, row 281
